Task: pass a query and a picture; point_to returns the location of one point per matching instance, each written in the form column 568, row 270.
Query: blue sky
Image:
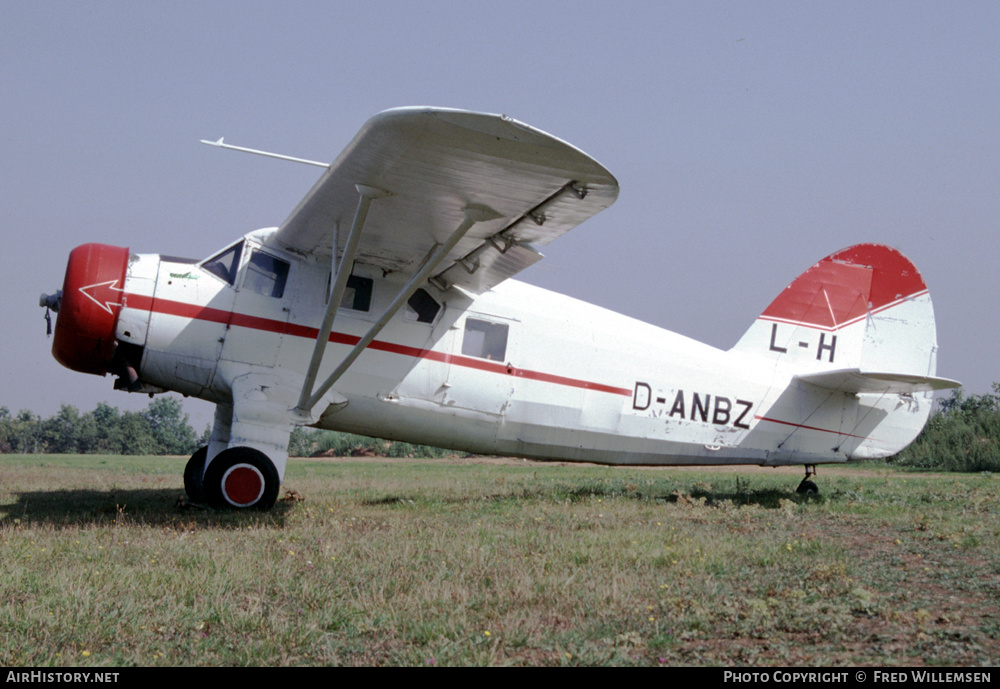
column 750, row 140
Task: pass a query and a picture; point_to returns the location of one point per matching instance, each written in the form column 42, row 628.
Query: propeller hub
column 51, row 301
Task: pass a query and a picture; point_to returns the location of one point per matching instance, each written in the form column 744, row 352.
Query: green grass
column 450, row 562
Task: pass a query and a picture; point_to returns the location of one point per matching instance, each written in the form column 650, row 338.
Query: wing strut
column 367, row 195
column 309, row 398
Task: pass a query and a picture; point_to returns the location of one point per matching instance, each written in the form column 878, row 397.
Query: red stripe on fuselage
column 809, row 428
column 205, row 313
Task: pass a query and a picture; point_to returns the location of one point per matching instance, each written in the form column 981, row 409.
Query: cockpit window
column 266, row 275
column 225, row 264
column 422, row 307
column 357, row 294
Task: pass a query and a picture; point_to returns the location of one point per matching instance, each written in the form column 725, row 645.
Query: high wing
column 428, row 177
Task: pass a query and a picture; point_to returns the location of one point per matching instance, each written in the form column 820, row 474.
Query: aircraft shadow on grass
column 739, row 495
column 158, row 507
column 85, row 507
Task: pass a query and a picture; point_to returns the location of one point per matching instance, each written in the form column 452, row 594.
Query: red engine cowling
column 92, row 294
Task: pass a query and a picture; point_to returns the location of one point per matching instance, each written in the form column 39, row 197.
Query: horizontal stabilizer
column 857, row 381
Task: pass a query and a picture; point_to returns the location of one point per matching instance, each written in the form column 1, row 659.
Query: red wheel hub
column 242, row 485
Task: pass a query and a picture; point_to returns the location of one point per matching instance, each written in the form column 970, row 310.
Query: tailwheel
column 808, row 487
column 241, row 478
column 194, row 472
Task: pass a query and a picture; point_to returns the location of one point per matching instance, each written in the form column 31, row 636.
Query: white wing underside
column 431, row 166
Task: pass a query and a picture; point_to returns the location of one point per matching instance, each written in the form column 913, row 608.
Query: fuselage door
column 481, row 376
column 259, row 320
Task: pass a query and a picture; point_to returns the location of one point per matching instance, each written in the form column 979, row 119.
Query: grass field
column 482, row 562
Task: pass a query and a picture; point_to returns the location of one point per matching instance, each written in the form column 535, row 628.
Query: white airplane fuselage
column 570, row 381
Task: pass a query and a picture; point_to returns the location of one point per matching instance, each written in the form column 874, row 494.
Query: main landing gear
column 239, row 478
column 807, row 487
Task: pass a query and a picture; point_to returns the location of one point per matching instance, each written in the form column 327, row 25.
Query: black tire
column 807, row 488
column 241, row 478
column 193, row 472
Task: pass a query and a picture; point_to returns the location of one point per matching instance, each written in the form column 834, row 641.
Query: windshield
column 225, row 264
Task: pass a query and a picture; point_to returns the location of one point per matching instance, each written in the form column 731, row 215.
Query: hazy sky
column 750, row 140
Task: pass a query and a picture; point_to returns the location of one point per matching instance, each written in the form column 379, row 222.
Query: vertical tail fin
column 855, row 336
column 865, row 307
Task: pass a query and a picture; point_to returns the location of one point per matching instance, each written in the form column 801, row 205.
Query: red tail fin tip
column 847, row 286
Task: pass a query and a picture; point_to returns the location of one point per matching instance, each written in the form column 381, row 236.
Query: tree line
column 162, row 428
column 963, row 434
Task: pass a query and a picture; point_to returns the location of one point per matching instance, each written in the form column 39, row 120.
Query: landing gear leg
column 248, row 449
column 807, row 487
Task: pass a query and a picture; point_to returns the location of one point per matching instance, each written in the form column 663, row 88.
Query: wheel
column 241, row 478
column 193, row 472
column 807, row 488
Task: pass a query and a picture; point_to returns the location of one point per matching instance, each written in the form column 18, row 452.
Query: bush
column 963, row 435
column 311, row 442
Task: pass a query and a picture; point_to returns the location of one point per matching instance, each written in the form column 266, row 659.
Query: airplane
column 385, row 305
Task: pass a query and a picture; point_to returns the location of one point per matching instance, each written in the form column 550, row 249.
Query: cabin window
column 484, row 339
column 225, row 264
column 357, row 294
column 422, row 307
column 266, row 275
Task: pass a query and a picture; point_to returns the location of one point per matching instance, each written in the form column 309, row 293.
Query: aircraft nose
column 88, row 306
